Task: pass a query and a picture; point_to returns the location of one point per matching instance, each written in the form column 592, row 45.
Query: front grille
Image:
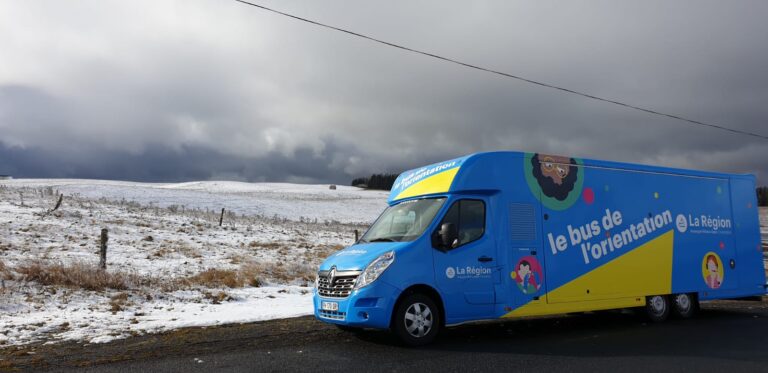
column 335, row 315
column 336, row 284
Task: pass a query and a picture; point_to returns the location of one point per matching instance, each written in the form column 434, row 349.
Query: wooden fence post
column 103, row 249
column 58, row 203
column 357, row 235
column 221, row 218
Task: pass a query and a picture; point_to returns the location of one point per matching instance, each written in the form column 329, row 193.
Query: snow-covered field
column 292, row 201
column 174, row 265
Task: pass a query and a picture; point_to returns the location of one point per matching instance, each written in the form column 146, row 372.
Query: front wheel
column 657, row 307
column 416, row 320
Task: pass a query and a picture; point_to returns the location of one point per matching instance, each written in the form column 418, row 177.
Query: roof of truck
column 454, row 174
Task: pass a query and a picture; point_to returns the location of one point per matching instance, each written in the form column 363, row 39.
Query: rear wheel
column 657, row 307
column 416, row 320
column 685, row 305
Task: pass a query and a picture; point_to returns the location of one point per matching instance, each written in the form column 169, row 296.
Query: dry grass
column 324, row 251
column 218, row 297
column 5, row 273
column 88, row 277
column 265, row 245
column 217, row 278
column 249, row 274
column 118, row 302
column 285, row 273
column 75, row 275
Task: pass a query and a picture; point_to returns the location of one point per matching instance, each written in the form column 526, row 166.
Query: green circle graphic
column 549, row 202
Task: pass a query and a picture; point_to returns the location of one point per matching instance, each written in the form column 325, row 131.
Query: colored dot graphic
column 588, row 195
column 607, row 188
column 722, row 245
column 656, row 195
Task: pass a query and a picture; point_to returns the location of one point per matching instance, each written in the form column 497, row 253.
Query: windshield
column 404, row 222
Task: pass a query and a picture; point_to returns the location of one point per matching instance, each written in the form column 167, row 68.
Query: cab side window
column 468, row 215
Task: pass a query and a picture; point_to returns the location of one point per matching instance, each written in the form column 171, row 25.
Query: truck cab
column 390, row 279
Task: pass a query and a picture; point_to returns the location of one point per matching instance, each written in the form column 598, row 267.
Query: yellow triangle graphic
column 646, row 270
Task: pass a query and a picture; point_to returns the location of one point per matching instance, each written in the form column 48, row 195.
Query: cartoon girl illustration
column 556, row 175
column 528, row 281
column 713, row 278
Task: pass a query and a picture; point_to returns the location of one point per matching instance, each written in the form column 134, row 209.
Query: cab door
column 465, row 271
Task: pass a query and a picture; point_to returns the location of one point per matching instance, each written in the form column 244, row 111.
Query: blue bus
column 509, row 234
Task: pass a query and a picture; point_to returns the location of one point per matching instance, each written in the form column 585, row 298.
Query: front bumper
column 369, row 307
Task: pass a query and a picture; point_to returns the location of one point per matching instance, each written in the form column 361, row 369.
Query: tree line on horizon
column 762, row 196
column 376, row 181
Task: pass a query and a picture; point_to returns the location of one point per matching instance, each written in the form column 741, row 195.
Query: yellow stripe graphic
column 622, row 282
column 439, row 183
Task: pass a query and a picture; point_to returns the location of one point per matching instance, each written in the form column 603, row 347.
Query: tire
column 685, row 306
column 657, row 307
column 416, row 320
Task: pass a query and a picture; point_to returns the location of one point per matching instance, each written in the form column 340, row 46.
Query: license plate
column 330, row 306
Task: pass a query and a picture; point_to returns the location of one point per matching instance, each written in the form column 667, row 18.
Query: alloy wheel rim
column 683, row 302
column 658, row 305
column 418, row 320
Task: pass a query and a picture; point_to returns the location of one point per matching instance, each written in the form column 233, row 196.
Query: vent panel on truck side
column 522, row 221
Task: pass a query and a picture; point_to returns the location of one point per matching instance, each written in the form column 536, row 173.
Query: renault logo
column 331, row 275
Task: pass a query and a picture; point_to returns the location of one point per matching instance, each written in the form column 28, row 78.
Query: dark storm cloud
column 160, row 164
column 197, row 90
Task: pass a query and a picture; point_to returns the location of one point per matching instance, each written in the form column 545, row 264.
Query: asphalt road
column 725, row 336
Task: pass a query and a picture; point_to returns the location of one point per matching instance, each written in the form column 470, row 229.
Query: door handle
column 484, row 259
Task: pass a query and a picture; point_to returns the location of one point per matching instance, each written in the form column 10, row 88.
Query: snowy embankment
column 169, row 263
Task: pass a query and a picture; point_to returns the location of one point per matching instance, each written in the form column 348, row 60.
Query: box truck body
column 508, row 234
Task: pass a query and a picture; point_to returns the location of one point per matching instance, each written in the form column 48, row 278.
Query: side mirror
column 449, row 235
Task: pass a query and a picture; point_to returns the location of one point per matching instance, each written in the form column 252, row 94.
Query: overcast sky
column 197, row 90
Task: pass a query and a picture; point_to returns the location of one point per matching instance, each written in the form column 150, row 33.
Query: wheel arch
column 420, row 289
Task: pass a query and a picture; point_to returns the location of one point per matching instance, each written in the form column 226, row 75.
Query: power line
column 507, row 75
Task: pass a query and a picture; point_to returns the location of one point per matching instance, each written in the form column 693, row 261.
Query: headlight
column 375, row 269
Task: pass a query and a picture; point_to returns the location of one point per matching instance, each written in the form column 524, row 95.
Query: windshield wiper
column 382, row 239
